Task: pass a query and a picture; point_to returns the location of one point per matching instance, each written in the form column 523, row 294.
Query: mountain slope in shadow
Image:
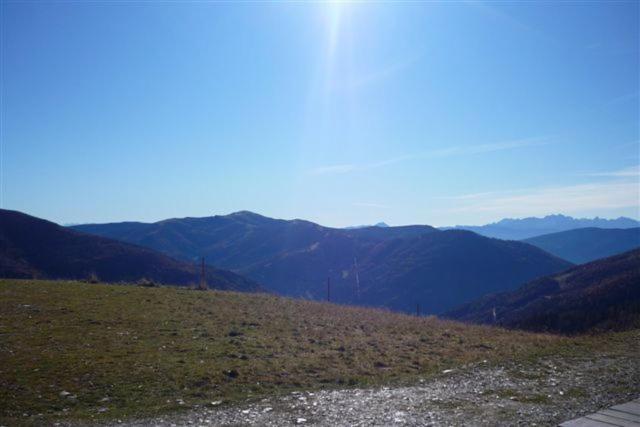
column 601, row 295
column 34, row 248
column 393, row 267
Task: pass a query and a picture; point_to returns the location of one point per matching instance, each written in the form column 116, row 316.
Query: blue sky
column 341, row 113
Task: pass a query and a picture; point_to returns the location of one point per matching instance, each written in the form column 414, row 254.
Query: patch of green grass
column 623, row 389
column 576, row 392
column 527, row 375
column 538, row 399
column 122, row 350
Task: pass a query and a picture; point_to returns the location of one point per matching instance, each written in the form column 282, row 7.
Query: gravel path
column 539, row 393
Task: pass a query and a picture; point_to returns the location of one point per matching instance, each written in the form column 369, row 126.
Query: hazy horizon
column 341, row 113
column 349, row 225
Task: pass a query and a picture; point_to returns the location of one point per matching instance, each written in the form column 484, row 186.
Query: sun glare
column 335, row 11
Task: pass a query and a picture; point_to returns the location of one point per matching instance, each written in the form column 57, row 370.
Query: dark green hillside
column 239, row 240
column 601, row 295
column 397, row 267
column 34, row 248
column 435, row 270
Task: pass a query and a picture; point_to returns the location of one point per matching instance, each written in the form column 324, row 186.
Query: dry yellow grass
column 124, row 350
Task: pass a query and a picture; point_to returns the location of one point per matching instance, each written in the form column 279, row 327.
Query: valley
column 597, row 296
column 390, row 267
column 583, row 245
column 147, row 348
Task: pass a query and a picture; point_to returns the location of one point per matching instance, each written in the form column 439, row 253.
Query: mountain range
column 600, row 295
column 34, row 248
column 379, row 224
column 588, row 244
column 519, row 229
column 393, row 267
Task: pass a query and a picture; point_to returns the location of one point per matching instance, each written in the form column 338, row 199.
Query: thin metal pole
column 203, row 282
column 328, row 288
column 355, row 264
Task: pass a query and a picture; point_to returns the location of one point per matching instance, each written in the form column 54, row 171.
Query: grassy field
column 84, row 351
